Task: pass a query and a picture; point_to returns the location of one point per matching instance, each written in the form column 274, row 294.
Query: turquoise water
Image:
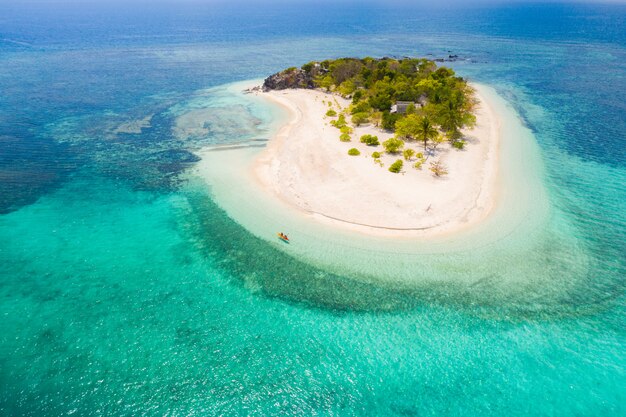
column 126, row 290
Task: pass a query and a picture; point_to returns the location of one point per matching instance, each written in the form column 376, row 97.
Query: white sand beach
column 306, row 166
column 492, row 198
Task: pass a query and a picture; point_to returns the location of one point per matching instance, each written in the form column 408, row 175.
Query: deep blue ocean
column 124, row 290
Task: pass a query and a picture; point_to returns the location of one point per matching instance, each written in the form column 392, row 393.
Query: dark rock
column 252, row 90
column 289, row 78
column 449, row 58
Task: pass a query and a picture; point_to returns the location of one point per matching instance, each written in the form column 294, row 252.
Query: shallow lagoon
column 516, row 250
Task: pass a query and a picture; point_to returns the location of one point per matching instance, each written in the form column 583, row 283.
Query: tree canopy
column 374, row 85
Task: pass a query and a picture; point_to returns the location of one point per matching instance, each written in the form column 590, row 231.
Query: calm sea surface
column 125, row 290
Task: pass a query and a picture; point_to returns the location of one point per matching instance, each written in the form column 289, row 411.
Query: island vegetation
column 415, row 99
column 396, row 166
column 370, row 140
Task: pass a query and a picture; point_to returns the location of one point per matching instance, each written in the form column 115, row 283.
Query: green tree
column 459, row 144
column 408, row 154
column 428, row 86
column 426, row 130
column 408, row 127
column 308, row 67
column 344, row 68
column 389, row 120
column 331, row 113
column 380, row 102
column 376, row 118
column 347, row 87
column 408, row 66
column 340, row 123
column 362, row 107
column 449, row 118
column 360, row 118
column 354, row 152
column 370, row 140
column 396, row 166
column 325, row 81
column 456, row 113
column 393, row 145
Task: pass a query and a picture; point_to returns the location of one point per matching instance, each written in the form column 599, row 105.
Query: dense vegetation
column 432, row 104
column 441, row 101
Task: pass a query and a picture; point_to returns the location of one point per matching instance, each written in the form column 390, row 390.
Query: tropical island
column 411, row 97
column 381, row 146
column 384, row 147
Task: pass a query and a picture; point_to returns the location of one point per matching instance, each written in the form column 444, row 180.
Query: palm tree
column 455, row 114
column 426, row 130
column 450, row 118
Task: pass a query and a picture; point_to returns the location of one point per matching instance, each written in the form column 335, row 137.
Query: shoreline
column 517, row 219
column 277, row 171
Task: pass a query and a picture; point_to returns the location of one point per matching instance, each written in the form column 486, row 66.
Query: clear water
column 126, row 290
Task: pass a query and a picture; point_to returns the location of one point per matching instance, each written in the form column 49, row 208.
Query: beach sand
column 493, row 210
column 306, row 166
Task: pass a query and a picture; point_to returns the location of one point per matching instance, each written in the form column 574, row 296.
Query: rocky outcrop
column 450, row 58
column 289, row 78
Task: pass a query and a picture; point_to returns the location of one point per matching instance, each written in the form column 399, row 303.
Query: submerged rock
column 176, row 156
